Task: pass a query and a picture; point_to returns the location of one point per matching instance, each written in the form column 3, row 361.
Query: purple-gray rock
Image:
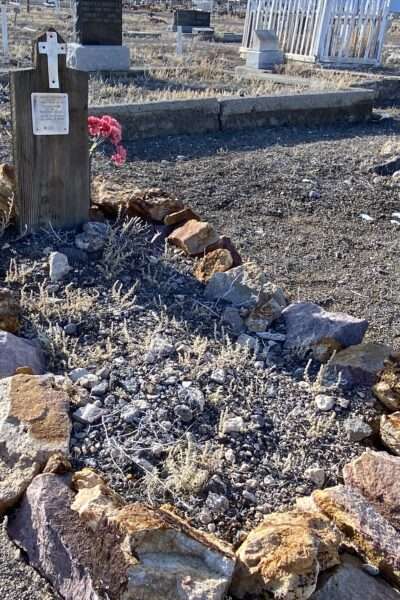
column 358, row 365
column 349, row 582
column 231, row 317
column 16, row 352
column 308, row 325
column 76, row 561
column 232, row 286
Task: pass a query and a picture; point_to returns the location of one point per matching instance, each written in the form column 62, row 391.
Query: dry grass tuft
column 126, row 240
column 189, row 468
column 39, row 304
column 6, row 216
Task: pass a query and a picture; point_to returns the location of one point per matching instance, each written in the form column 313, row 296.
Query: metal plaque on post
column 50, row 114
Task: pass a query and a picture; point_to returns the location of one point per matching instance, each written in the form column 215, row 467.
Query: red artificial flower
column 115, row 134
column 107, row 128
column 119, row 158
column 94, row 126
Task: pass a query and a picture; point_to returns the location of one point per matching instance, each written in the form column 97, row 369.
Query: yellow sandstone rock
column 218, row 261
column 94, row 500
column 151, row 203
column 387, row 389
column 165, row 557
column 34, row 424
column 390, row 432
column 285, row 554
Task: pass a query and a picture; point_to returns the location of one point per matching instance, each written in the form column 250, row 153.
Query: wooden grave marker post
column 49, row 106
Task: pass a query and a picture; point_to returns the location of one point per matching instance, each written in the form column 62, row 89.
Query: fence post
column 322, row 29
column 4, row 30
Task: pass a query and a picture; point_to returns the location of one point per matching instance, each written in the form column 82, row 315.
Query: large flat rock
column 34, row 424
column 91, row 543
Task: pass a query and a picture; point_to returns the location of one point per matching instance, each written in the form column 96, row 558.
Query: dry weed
column 189, row 468
column 125, row 241
column 75, row 304
column 18, row 273
column 317, row 386
column 6, row 216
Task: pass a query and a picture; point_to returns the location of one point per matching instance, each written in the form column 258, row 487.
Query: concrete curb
column 155, row 119
column 296, row 109
column 210, row 115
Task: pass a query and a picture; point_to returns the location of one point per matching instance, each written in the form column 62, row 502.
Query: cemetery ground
column 224, row 435
column 205, row 70
column 169, row 398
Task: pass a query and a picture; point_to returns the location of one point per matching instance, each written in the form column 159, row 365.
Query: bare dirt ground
column 255, row 186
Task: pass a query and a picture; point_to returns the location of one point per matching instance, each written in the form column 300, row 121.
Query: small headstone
column 265, row 52
column 205, row 34
column 50, row 139
column 98, row 23
column 187, row 19
column 98, row 37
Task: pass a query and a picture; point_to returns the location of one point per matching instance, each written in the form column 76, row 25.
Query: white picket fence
column 327, row 31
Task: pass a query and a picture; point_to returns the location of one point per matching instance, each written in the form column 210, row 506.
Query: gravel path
column 18, row 581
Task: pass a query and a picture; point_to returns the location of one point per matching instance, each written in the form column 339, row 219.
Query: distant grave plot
column 98, row 22
column 187, row 19
column 98, row 35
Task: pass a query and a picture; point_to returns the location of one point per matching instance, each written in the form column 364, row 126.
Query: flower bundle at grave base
column 107, row 129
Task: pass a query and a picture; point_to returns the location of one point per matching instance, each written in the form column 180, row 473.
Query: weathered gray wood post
column 50, row 138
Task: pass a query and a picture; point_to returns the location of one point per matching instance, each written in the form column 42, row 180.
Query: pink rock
column 374, row 538
column 377, row 476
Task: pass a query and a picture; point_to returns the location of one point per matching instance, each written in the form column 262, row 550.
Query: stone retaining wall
column 210, row 115
column 387, row 90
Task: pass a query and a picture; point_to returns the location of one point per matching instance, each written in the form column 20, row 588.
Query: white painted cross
column 53, row 49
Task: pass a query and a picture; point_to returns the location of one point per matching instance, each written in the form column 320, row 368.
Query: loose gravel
column 18, row 581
